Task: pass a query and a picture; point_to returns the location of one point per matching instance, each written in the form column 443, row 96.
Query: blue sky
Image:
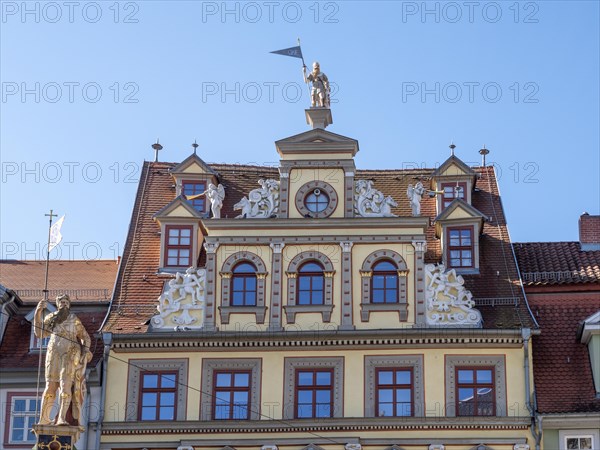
column 87, row 87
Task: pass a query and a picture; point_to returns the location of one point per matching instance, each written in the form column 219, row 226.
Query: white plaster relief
column 261, row 203
column 369, row 202
column 448, row 302
column 182, row 305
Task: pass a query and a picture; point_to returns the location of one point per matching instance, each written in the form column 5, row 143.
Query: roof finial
column 483, row 152
column 452, row 147
column 157, row 147
column 195, row 146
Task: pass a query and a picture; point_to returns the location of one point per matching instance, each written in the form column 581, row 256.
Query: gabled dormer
column 181, row 238
column 317, row 175
column 192, row 177
column 453, row 179
column 458, row 227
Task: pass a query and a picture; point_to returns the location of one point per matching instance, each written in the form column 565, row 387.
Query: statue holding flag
column 319, row 95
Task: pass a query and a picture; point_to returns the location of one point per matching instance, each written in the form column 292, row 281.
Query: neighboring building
column 562, row 282
column 89, row 285
column 320, row 319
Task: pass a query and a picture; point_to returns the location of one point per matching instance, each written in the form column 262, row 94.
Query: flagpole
column 41, row 340
column 303, row 66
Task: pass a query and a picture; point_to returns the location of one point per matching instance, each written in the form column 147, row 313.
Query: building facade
column 562, row 282
column 316, row 306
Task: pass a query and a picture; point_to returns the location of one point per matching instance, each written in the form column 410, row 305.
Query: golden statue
column 67, row 356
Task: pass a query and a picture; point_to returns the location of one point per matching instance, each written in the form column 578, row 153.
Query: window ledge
column 292, row 310
column 259, row 311
column 367, row 308
column 465, row 270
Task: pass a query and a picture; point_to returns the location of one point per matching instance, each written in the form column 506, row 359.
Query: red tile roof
column 138, row 286
column 543, row 263
column 82, row 280
column 561, row 363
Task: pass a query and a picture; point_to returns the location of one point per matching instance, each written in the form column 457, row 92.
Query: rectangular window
column 178, row 246
column 452, row 191
column 394, row 392
column 34, row 343
column 460, row 247
column 476, row 391
column 314, row 393
column 22, row 417
column 194, row 188
column 231, row 394
column 579, row 442
column 158, row 396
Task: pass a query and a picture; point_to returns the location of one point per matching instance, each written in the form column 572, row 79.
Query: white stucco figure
column 216, row 195
column 414, row 194
column 183, row 301
column 448, row 301
column 261, row 203
column 369, row 202
column 319, row 94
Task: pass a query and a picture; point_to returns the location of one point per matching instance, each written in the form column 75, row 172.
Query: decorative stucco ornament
column 448, row 302
column 182, row 305
column 414, row 194
column 261, row 203
column 369, row 202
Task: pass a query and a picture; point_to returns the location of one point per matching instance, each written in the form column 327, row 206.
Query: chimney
column 589, row 232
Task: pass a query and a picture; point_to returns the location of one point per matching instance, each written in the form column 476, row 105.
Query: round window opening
column 316, row 201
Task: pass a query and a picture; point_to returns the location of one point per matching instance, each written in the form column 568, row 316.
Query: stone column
column 420, row 307
column 211, row 283
column 276, row 286
column 346, row 321
column 284, row 193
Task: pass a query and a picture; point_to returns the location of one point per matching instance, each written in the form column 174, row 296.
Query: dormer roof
column 459, row 209
column 453, row 167
column 317, row 141
column 178, row 208
column 193, row 164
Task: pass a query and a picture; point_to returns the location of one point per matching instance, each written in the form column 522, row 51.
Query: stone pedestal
column 318, row 117
column 53, row 437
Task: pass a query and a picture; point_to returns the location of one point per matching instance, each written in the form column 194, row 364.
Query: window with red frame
column 311, row 282
column 178, row 246
column 394, row 392
column 194, row 188
column 452, row 191
column 21, row 409
column 158, row 395
column 314, row 393
column 384, row 282
column 231, row 395
column 460, row 247
column 243, row 282
column 476, row 391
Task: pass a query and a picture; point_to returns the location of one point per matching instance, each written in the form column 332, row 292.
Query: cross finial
column 195, row 146
column 51, row 215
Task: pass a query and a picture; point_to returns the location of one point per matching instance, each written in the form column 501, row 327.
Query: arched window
column 384, row 282
column 243, row 291
column 311, row 282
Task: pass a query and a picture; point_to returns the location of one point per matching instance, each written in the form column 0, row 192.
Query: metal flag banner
column 295, row 52
column 55, row 235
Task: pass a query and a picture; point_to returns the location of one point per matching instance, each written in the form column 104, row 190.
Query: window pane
column 222, row 398
column 585, row 443
column 242, row 379
column 17, row 435
column 384, row 266
column 484, row 376
column 240, row 398
column 403, row 395
column 391, row 296
column 223, row 379
column 323, row 378
column 250, row 283
column 323, row 396
column 149, row 399
column 237, row 299
column 174, row 232
column 167, row 399
column 238, row 284
column 250, row 299
column 305, row 378
column 385, row 377
column 305, row 397
column 168, row 380
column 32, row 404
column 386, row 410
column 304, row 297
column 391, row 281
column 403, row 377
column 222, row 411
column 317, row 283
column 386, row 395
column 304, row 283
column 149, row 413
column 244, row 268
column 304, row 411
column 317, row 298
column 377, row 296
column 19, row 405
column 323, row 410
column 465, row 376
column 240, row 411
column 167, row 413
column 19, row 422
column 465, row 394
column 403, row 409
column 311, row 267
column 378, row 281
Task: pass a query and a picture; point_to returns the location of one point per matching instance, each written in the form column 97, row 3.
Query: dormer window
column 178, row 246
column 460, row 247
column 191, row 187
column 452, row 191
